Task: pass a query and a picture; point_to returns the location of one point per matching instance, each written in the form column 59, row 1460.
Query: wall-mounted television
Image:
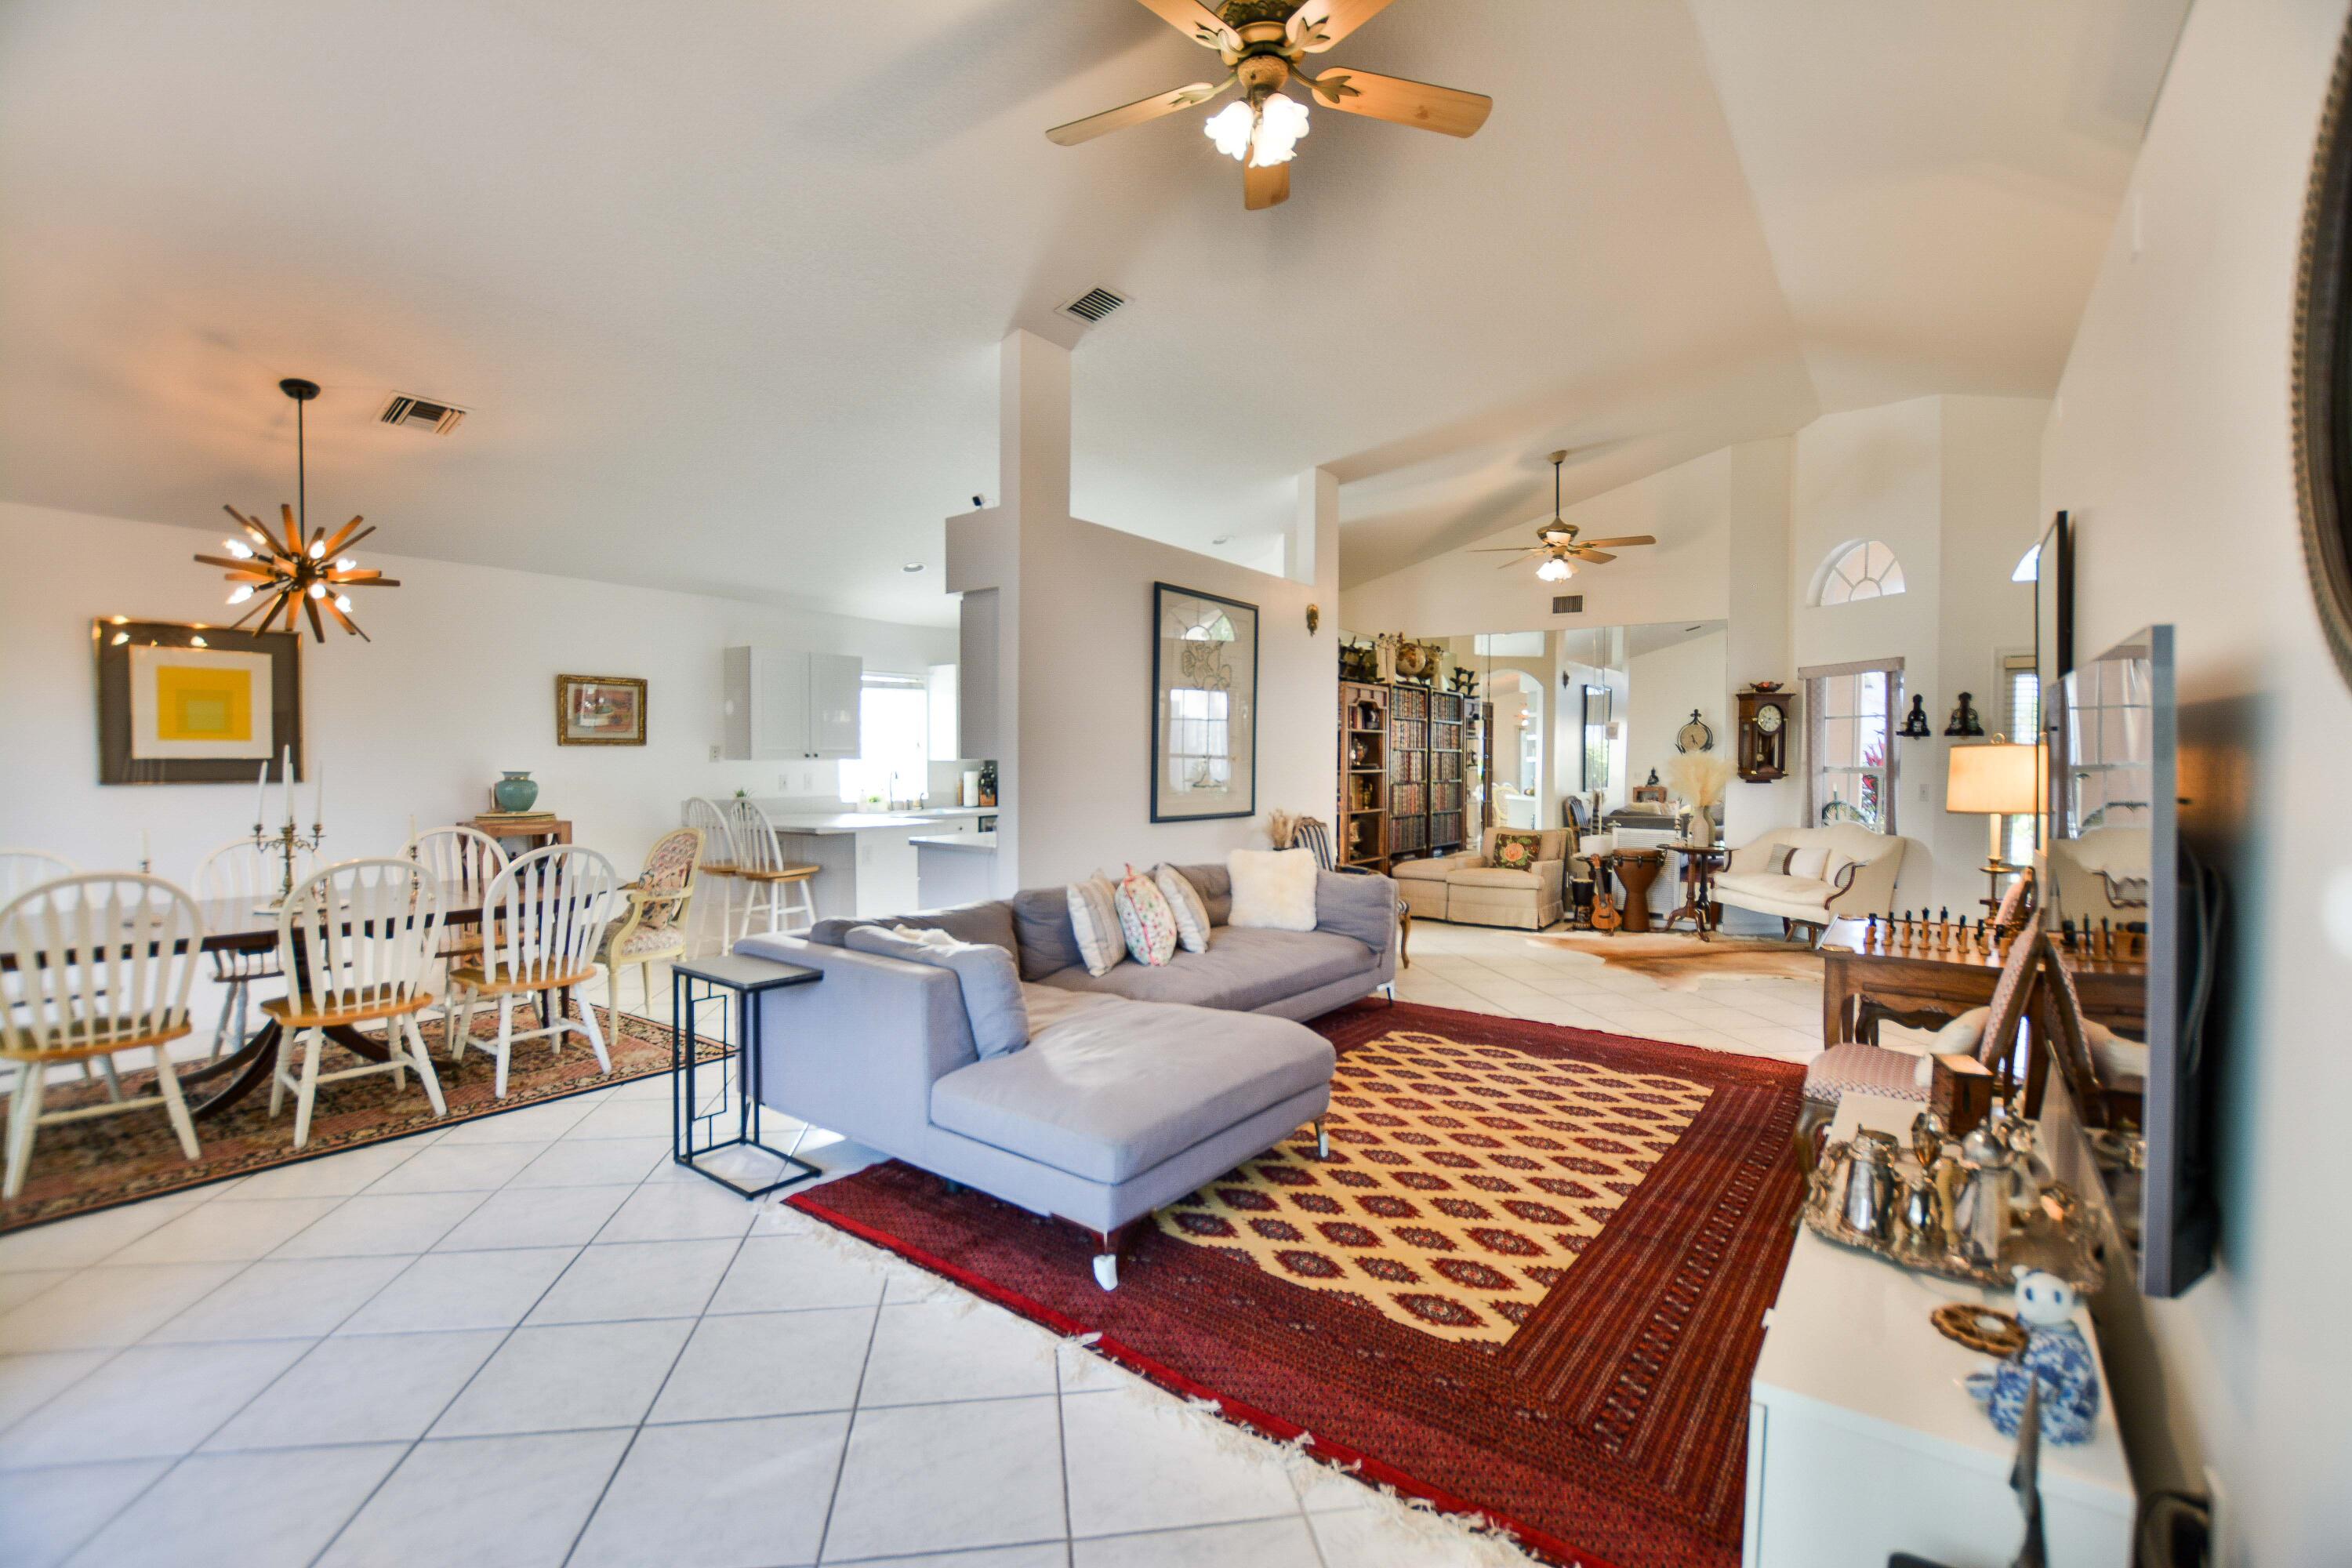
column 2115, row 862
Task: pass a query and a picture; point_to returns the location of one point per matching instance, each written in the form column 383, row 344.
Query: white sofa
column 1857, row 874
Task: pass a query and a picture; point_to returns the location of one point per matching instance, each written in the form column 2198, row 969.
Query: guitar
column 1606, row 919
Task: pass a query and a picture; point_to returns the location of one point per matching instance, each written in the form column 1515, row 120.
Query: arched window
column 1863, row 570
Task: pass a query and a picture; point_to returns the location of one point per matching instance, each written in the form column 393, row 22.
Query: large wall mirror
column 2323, row 382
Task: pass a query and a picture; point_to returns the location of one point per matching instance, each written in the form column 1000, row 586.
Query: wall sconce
column 1314, row 619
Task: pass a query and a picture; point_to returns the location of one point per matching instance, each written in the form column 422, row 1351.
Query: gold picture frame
column 600, row 710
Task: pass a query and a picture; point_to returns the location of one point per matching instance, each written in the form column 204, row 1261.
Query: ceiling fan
column 1265, row 43
column 1562, row 547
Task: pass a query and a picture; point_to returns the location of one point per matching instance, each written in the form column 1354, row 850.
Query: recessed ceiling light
column 912, row 566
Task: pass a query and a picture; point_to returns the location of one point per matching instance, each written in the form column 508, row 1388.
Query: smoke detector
column 422, row 413
column 1092, row 306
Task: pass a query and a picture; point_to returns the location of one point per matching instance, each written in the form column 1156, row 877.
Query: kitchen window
column 893, row 765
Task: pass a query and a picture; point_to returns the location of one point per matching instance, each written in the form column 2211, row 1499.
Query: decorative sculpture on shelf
column 1915, row 724
column 1964, row 720
column 2056, row 1359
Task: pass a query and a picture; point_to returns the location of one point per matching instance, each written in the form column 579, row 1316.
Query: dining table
column 247, row 925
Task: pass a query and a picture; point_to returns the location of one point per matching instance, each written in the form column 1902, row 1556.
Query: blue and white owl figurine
column 2056, row 1356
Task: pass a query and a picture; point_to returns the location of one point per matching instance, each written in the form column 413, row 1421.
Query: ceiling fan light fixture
column 1231, row 129
column 1555, row 570
column 1281, row 122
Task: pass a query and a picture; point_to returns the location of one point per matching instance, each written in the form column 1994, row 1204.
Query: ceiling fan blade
column 1630, row 539
column 1392, row 98
column 1586, row 553
column 1264, row 188
column 1319, row 24
column 1136, row 113
column 1507, row 565
column 1504, row 550
column 1195, row 21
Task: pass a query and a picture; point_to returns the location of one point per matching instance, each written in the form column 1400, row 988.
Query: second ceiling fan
column 1561, row 543
column 1265, row 42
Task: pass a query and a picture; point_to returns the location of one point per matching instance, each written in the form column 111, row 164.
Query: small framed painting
column 1204, row 706
column 599, row 710
column 194, row 704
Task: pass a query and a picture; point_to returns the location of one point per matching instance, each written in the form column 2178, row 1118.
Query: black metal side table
column 693, row 1131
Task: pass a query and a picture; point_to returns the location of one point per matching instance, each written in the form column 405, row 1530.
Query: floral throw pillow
column 1514, row 851
column 1145, row 920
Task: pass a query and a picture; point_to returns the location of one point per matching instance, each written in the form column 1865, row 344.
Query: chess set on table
column 1919, row 936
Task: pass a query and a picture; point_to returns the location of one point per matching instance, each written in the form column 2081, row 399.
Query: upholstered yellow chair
column 653, row 929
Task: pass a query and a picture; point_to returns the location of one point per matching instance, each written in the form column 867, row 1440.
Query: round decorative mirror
column 2322, row 370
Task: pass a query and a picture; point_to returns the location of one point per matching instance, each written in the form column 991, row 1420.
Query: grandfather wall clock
column 1764, row 735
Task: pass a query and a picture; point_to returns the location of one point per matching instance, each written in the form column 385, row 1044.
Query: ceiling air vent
column 1093, row 305
column 421, row 413
column 1568, row 604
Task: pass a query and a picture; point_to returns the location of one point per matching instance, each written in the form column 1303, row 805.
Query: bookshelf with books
column 1444, row 768
column 1364, row 737
column 1408, row 770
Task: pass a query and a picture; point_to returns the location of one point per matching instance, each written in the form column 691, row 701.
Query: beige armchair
column 1777, row 874
column 1464, row 890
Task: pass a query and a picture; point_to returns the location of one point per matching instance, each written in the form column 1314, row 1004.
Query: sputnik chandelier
column 301, row 572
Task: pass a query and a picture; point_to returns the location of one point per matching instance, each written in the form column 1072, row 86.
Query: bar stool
column 775, row 888
column 719, row 863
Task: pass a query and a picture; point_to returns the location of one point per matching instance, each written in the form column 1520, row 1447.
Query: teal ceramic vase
column 516, row 792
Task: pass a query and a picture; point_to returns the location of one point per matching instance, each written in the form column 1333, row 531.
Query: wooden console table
column 1926, row 987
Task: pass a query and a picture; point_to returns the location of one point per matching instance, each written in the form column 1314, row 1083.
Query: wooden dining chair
column 21, row 869
column 357, row 938
column 654, row 923
column 775, row 889
column 541, row 923
column 463, row 861
column 719, row 868
column 104, row 963
column 242, row 873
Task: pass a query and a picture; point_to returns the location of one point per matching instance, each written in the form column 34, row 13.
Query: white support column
column 1033, row 428
column 1311, row 548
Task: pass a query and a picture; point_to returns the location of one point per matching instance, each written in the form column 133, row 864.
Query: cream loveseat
column 1466, row 890
column 1855, row 875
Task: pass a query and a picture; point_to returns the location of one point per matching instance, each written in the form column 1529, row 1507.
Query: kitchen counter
column 968, row 843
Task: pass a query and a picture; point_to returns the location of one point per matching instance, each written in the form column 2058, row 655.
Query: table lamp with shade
column 2000, row 779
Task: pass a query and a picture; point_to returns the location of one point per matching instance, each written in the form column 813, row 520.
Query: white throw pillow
column 1834, row 867
column 1094, row 921
column 1274, row 889
column 1807, row 865
column 1184, row 901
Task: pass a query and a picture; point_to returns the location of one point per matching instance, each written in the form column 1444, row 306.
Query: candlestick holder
column 286, row 842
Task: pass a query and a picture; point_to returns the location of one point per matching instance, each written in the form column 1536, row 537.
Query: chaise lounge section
column 1135, row 1087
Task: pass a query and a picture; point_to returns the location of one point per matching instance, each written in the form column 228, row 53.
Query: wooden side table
column 1700, row 863
column 539, row 838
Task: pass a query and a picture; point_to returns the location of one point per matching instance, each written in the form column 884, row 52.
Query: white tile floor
column 530, row 1338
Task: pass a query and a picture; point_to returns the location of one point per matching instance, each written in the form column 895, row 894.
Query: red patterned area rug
column 1529, row 1285
column 79, row 1166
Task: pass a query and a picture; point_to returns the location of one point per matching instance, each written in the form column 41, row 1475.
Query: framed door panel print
column 1204, row 705
column 599, row 710
column 187, row 704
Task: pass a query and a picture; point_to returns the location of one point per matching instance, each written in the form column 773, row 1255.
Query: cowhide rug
column 1679, row 961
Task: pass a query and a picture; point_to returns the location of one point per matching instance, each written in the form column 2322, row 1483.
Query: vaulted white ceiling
column 723, row 283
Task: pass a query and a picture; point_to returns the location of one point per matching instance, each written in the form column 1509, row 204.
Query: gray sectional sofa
column 1135, row 1086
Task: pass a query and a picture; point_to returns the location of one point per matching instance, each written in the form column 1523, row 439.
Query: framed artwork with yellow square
column 194, row 704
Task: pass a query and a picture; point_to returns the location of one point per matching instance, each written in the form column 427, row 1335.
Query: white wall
column 2170, row 443
column 1949, row 484
column 1756, row 645
column 1662, row 688
column 1073, row 645
column 457, row 686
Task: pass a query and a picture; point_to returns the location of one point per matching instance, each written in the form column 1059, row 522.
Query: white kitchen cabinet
column 781, row 704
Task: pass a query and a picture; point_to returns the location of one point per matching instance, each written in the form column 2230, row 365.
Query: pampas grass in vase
column 1698, row 779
